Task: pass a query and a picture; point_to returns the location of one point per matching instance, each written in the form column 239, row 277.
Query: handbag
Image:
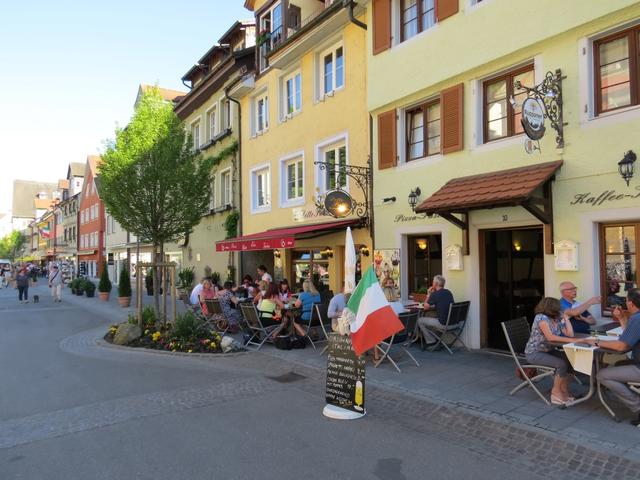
column 298, row 342
column 283, row 342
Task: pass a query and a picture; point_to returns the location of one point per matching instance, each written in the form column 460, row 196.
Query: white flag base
column 338, row 413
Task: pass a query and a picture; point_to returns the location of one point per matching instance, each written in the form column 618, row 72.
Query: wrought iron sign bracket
column 549, row 95
column 362, row 176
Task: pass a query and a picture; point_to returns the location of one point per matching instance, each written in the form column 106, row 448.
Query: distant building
column 30, row 200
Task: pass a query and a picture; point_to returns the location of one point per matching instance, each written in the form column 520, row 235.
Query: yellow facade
column 479, row 42
column 323, row 122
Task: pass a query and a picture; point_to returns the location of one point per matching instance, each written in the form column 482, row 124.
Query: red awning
column 281, row 237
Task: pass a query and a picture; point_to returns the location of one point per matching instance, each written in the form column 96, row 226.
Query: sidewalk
column 479, row 382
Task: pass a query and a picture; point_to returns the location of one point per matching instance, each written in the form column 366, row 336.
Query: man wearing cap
column 581, row 319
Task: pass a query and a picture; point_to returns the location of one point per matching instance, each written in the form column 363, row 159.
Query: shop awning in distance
column 495, row 189
column 281, row 237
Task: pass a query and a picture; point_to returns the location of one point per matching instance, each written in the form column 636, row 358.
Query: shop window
column 312, row 264
column 619, row 262
column 501, row 118
column 424, row 261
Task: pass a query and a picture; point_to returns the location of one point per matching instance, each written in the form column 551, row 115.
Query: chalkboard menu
column 345, row 375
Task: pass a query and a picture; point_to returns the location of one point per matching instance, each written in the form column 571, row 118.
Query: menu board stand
column 345, row 380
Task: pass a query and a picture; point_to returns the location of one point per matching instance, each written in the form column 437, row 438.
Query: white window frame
column 265, row 168
column 213, row 127
column 401, row 132
column 264, row 97
column 284, row 163
column 82, row 217
column 225, row 114
column 195, row 128
column 212, row 198
column 320, row 70
column 226, row 191
column 263, row 49
column 284, row 104
column 320, row 149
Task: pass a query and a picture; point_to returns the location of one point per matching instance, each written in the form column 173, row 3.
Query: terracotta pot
column 418, row 297
column 104, row 296
column 124, row 301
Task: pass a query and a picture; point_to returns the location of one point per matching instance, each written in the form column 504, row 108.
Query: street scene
column 368, row 239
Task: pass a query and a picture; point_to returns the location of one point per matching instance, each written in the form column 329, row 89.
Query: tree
column 104, row 285
column 151, row 179
column 11, row 245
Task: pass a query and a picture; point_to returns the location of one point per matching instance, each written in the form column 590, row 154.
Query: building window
column 416, row 16
column 261, row 113
column 270, row 33
column 501, row 117
column 334, row 175
column 292, row 180
column 212, row 198
column 616, row 71
column 423, row 130
column 332, row 74
column 424, row 261
column 619, row 262
column 82, row 217
column 226, row 114
column 309, row 264
column 225, row 188
column 261, row 189
column 292, row 93
column 195, row 134
column 213, row 125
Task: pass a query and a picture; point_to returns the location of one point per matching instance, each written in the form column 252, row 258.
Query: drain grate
column 288, row 377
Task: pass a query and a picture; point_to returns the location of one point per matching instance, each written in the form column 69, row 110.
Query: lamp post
column 413, row 198
column 625, row 166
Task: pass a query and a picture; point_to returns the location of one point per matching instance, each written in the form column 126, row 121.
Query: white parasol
column 349, row 263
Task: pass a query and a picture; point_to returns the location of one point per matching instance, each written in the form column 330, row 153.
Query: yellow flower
column 156, row 336
column 146, row 332
column 212, row 345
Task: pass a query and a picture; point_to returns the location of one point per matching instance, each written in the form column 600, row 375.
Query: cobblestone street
column 74, row 408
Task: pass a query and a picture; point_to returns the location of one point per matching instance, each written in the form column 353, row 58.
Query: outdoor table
column 596, row 361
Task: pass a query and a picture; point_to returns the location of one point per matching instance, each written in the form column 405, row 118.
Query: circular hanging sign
column 338, row 203
column 533, row 119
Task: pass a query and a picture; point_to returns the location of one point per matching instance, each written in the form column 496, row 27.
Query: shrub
column 187, row 327
column 76, row 284
column 104, row 285
column 88, row 286
column 124, row 285
column 215, row 278
column 148, row 316
column 186, row 277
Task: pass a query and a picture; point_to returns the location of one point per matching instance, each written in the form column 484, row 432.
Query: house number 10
column 505, row 218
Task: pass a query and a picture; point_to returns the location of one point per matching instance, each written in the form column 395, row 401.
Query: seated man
column 438, row 301
column 581, row 319
column 194, row 298
column 615, row 378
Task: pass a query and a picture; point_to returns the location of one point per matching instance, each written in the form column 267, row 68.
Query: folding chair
column 216, row 314
column 400, row 340
column 259, row 333
column 517, row 334
column 456, row 320
column 318, row 319
column 195, row 309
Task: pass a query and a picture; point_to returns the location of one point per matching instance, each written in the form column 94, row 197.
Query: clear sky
column 70, row 70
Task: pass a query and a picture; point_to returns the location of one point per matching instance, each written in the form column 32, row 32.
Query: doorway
column 511, row 279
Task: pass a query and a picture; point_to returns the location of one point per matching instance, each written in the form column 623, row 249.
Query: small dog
column 36, row 299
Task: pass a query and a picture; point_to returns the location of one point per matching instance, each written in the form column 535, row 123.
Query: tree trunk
column 164, row 286
column 156, row 281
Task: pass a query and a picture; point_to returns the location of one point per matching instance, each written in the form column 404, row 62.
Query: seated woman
column 269, row 306
column 392, row 297
column 260, row 293
column 227, row 299
column 283, row 291
column 207, row 292
column 305, row 301
column 550, row 325
column 248, row 285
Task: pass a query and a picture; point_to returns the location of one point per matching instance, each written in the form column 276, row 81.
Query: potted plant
column 124, row 288
column 104, row 286
column 79, row 286
column 420, row 295
column 89, row 288
column 73, row 285
column 186, row 277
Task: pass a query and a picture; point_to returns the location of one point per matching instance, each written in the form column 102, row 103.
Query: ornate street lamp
column 413, row 198
column 625, row 166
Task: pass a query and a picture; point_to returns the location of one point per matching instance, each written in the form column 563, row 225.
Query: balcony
column 308, row 26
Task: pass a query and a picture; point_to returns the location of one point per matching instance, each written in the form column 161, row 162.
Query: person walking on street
column 56, row 282
column 22, row 280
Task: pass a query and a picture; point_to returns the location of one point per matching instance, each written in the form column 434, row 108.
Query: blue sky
column 69, row 72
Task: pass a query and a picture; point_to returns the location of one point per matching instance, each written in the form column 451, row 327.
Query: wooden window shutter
column 387, row 140
column 446, row 8
column 381, row 25
column 451, row 115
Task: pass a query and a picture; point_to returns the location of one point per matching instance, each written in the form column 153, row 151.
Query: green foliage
column 231, row 224
column 207, row 271
column 124, row 285
column 11, row 245
column 152, row 181
column 149, row 317
column 186, row 276
column 215, row 278
column 231, row 273
column 423, row 290
column 187, row 327
column 104, row 285
column 224, row 153
column 76, row 284
column 87, row 285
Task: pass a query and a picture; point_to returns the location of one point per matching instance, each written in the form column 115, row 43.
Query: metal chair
column 216, row 315
column 259, row 333
column 319, row 318
column 456, row 320
column 400, row 340
column 517, row 333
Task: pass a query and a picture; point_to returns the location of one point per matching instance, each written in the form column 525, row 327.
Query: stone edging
column 101, row 342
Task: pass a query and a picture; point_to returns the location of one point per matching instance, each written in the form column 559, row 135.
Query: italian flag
column 375, row 320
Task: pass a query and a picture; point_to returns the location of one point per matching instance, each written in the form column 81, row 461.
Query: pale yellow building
column 306, row 103
column 507, row 237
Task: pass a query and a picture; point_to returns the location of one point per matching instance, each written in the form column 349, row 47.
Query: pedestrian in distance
column 22, row 281
column 55, row 283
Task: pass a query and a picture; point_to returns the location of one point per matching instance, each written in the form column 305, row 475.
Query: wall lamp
column 327, row 252
column 413, row 198
column 625, row 166
column 364, row 251
column 276, row 253
column 388, row 199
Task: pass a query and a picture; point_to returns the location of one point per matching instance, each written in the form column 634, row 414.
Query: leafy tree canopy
column 151, row 179
column 11, row 245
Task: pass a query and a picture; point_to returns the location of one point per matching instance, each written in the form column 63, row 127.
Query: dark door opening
column 513, row 279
